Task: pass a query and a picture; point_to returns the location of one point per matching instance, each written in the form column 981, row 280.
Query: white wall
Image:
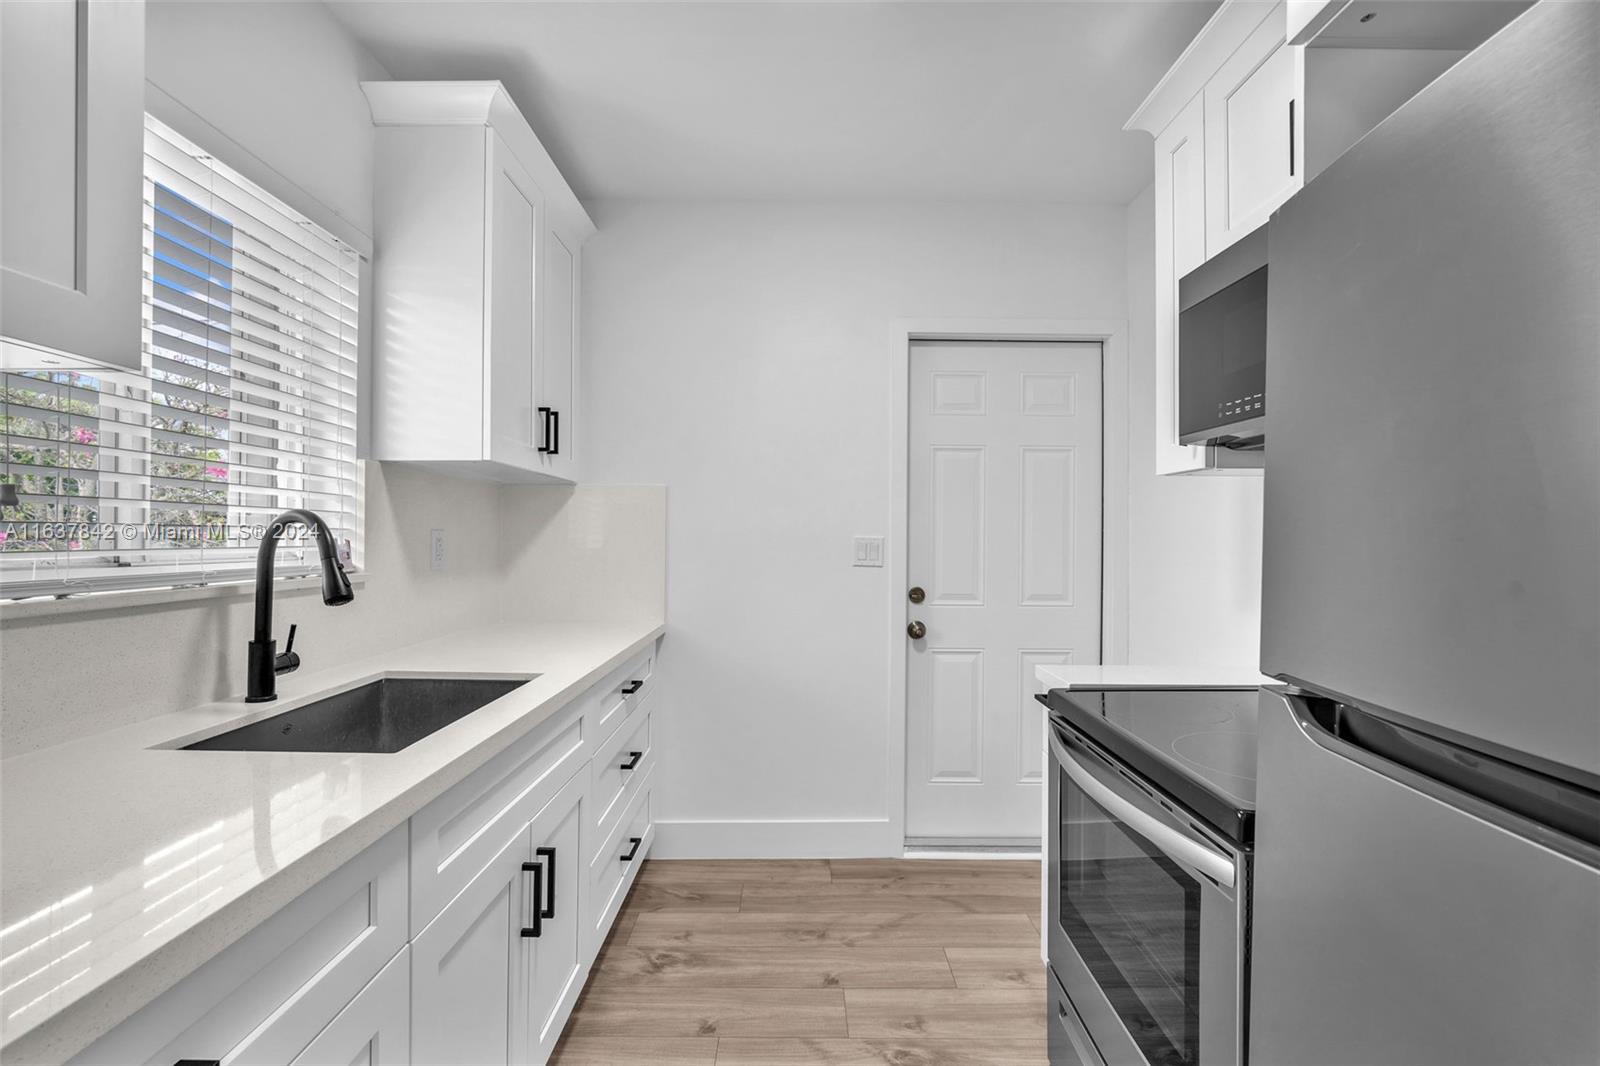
column 1194, row 551
column 282, row 80
column 739, row 354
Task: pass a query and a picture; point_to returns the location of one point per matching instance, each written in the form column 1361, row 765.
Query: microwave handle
column 1185, row 849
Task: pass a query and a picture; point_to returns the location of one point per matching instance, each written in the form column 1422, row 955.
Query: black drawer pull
column 635, row 841
column 631, row 687
column 555, row 432
column 549, row 854
column 198, row 1062
column 535, row 930
column 633, row 760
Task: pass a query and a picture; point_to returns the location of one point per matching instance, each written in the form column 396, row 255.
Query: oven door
column 1144, row 916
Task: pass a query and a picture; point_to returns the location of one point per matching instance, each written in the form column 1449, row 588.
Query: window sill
column 121, row 600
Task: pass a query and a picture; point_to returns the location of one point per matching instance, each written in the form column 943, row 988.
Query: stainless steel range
column 1149, row 853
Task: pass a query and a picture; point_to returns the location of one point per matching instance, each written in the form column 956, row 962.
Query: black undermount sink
column 386, row 715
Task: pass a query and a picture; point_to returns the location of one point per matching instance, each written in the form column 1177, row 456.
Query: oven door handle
column 1184, row 848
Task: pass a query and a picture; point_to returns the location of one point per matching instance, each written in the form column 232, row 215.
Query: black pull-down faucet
column 265, row 663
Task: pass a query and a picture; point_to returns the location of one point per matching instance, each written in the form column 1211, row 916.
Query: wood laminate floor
column 859, row 962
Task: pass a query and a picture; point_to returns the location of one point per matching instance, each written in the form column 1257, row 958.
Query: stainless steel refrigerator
column 1428, row 801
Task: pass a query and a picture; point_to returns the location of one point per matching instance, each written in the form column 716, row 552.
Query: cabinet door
column 515, row 223
column 1180, row 209
column 558, row 360
column 558, row 961
column 375, row 1029
column 71, row 164
column 469, row 968
column 1253, row 145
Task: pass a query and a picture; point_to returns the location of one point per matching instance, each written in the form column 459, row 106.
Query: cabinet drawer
column 457, row 834
column 612, row 871
column 375, row 1029
column 623, row 691
column 620, row 766
column 267, row 997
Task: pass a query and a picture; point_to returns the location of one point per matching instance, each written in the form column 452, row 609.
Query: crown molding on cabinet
column 480, row 103
column 1219, row 38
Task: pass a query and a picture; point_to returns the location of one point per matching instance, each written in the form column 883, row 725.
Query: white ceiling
column 760, row 100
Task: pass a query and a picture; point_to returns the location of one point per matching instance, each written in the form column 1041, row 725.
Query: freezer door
column 1391, row 926
column 1432, row 529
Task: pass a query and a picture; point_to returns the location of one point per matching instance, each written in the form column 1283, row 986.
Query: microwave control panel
column 1243, row 407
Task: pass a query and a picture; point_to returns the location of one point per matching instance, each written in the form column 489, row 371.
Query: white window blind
column 246, row 405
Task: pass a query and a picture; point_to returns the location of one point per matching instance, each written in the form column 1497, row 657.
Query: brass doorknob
column 916, row 630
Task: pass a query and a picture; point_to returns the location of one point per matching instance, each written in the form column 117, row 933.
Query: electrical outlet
column 869, row 551
column 435, row 549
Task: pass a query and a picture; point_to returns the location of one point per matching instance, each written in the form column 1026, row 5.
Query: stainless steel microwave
column 1222, row 347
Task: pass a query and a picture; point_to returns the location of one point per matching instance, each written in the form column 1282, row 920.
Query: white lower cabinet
column 613, row 868
column 469, row 970
column 375, row 1029
column 268, row 996
column 495, row 975
column 557, row 956
column 491, row 974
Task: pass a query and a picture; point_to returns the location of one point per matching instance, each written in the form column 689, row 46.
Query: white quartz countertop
column 125, row 865
column 1124, row 677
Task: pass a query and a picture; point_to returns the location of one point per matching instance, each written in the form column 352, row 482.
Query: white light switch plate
column 435, row 549
column 869, row 551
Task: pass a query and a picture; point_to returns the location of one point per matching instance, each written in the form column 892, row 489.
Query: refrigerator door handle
column 1181, row 847
column 1484, row 806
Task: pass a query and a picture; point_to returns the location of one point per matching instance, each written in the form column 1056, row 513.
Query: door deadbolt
column 916, row 595
column 916, row 630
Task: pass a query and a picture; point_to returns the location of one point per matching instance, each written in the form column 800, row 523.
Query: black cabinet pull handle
column 635, row 841
column 555, row 432
column 1291, row 138
column 633, row 760
column 198, row 1062
column 535, row 930
column 549, row 855
column 632, row 686
column 544, row 429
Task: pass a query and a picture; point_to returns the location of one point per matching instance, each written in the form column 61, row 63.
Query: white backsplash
column 514, row 552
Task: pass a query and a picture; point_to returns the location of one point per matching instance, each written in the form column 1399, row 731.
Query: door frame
column 1112, row 336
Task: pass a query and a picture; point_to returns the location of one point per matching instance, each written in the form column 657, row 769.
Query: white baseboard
column 841, row 838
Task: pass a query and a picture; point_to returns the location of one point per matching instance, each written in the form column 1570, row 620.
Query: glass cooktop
column 1197, row 745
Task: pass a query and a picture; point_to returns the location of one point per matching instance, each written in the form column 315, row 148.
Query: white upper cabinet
column 476, row 286
column 1268, row 94
column 1227, row 154
column 558, row 368
column 71, row 158
column 1252, row 115
column 515, row 212
column 1180, row 210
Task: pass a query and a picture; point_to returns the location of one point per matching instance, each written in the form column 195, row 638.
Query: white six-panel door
column 1004, row 541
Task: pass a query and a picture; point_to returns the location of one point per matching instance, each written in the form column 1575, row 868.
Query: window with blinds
column 246, row 405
